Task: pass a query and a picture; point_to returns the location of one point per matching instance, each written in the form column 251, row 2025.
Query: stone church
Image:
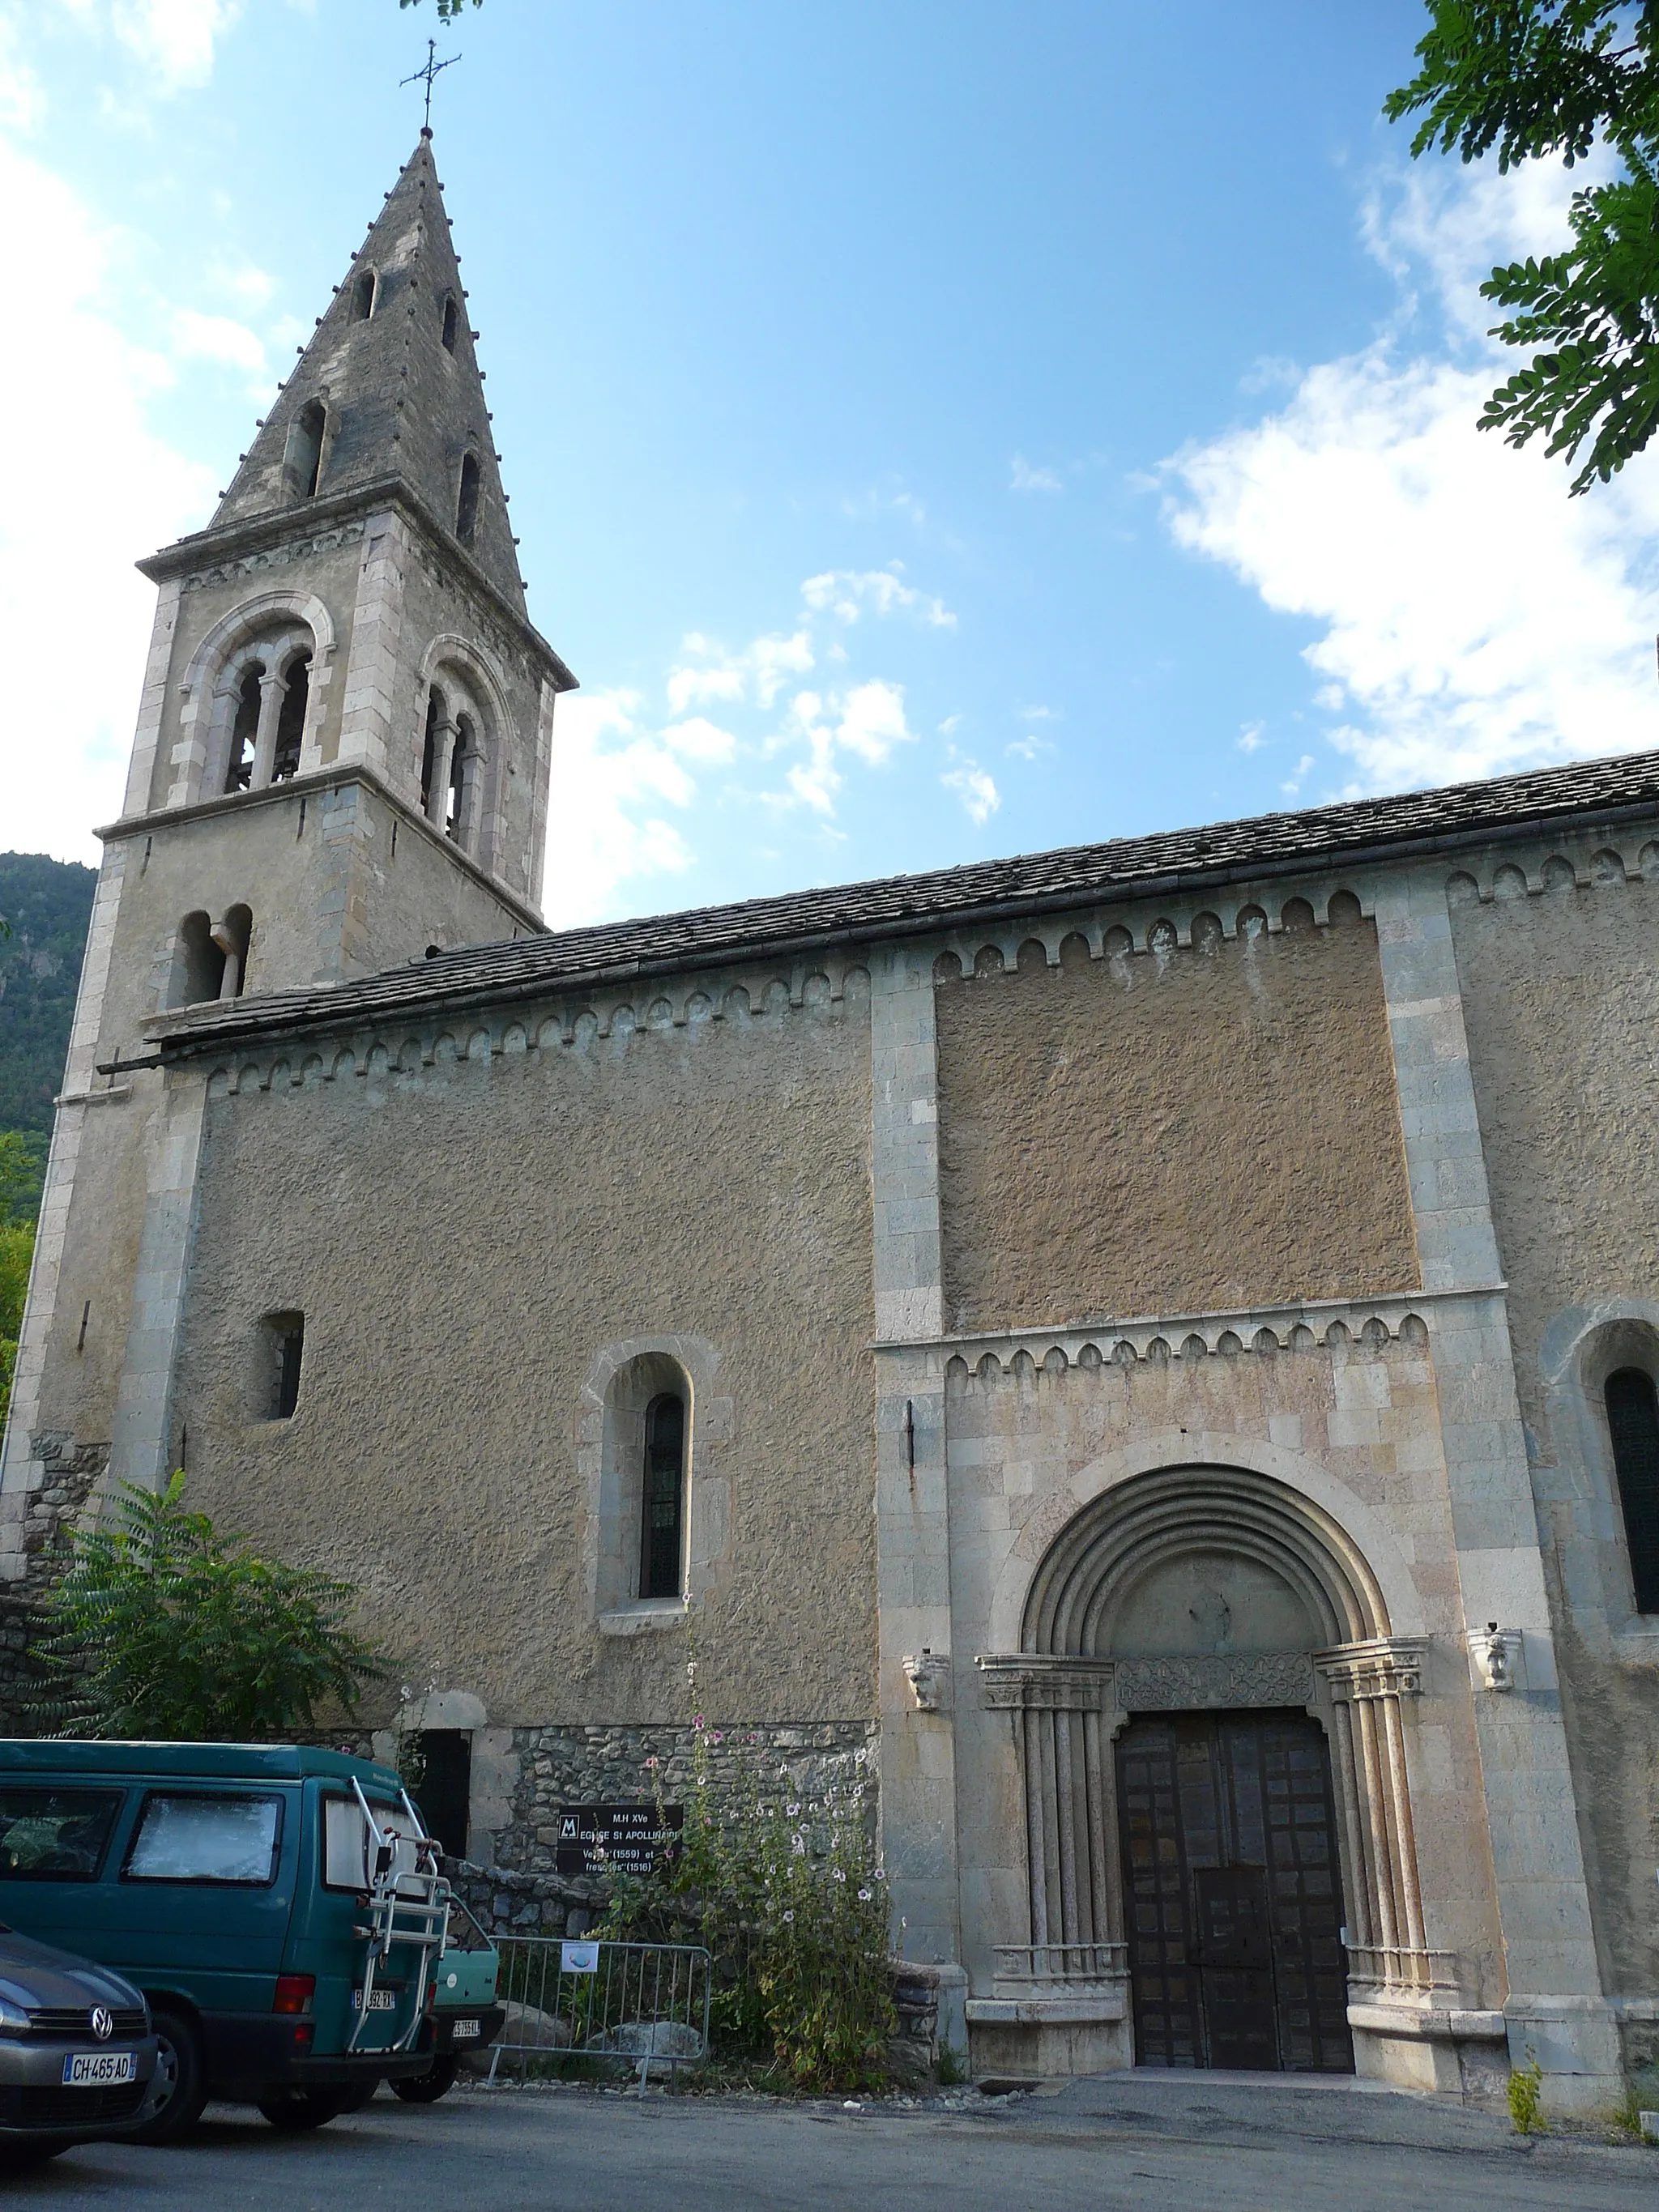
column 1153, row 1345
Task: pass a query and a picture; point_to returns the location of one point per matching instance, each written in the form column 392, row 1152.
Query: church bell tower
column 342, row 759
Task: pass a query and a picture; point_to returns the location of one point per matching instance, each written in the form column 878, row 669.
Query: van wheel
column 295, row 2111
column 179, row 2090
column 427, row 2089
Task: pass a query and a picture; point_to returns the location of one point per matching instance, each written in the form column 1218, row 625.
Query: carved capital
column 1045, row 1682
column 1382, row 1667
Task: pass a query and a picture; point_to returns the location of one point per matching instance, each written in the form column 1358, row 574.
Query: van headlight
column 14, row 2021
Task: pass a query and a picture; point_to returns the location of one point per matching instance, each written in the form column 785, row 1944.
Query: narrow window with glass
column 662, row 1511
column 1633, row 1425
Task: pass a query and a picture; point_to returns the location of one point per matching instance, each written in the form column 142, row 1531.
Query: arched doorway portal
column 1213, row 1759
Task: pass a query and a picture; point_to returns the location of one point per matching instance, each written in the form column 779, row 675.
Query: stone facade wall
column 1173, row 1131
column 466, row 1238
column 1561, row 1001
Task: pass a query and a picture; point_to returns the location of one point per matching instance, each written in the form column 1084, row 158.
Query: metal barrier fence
column 644, row 2004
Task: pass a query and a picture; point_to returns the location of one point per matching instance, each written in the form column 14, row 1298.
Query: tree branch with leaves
column 1533, row 80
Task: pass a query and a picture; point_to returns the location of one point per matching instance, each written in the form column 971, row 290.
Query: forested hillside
column 47, row 904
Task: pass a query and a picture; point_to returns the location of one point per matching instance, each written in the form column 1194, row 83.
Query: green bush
column 1525, row 2096
column 793, row 1907
column 159, row 1628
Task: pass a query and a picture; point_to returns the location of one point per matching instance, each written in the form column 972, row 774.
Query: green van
column 280, row 1907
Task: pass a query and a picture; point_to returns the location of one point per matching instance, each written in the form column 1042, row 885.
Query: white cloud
column 869, row 720
column 700, row 740
column 1022, row 476
column 973, row 786
column 758, row 674
column 82, row 387
column 846, row 593
column 1252, row 737
column 613, row 779
column 1471, row 618
column 175, row 38
column 217, row 337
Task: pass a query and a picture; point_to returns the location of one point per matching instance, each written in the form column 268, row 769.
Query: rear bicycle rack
column 407, row 1906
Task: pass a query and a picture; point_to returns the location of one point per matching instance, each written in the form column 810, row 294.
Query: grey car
column 77, row 2054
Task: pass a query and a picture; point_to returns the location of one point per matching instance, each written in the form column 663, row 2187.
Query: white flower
column 789, row 1918
column 798, row 1846
column 839, row 1873
column 865, row 1896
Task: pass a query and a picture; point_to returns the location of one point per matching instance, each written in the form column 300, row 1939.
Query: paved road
column 1170, row 2145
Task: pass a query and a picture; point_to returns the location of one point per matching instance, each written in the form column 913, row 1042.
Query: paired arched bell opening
column 1202, row 1596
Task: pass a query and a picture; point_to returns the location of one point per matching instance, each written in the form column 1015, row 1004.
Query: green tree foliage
column 21, row 1162
column 1534, row 78
column 793, row 1907
column 160, row 1628
column 447, row 9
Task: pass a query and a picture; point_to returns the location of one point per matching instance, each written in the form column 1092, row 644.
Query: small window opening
column 467, row 507
column 199, row 963
column 285, row 1338
column 302, row 463
column 461, row 773
column 362, row 296
column 1634, row 1424
column 291, row 721
column 445, row 1795
column 245, row 732
column 434, row 715
column 451, row 319
column 662, row 1515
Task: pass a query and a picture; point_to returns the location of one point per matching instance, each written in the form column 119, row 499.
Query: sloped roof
column 1266, row 844
column 400, row 404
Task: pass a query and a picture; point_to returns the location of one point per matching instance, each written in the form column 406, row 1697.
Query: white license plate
column 378, row 2000
column 96, row 2069
column 464, row 2030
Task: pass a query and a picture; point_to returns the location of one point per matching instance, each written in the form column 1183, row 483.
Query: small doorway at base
column 445, row 1795
column 1232, row 1893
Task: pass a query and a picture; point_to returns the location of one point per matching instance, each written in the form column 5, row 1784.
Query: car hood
column 40, row 1977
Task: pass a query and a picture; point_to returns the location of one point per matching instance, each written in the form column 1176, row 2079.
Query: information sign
column 599, row 1840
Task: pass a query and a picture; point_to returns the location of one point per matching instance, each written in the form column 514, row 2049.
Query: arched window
column 662, row 1504
column 451, row 319
column 291, row 721
column 466, row 505
column 434, row 718
column 1633, row 1425
column 362, row 296
column 463, row 763
column 302, row 460
column 231, row 936
column 199, row 963
column 244, row 729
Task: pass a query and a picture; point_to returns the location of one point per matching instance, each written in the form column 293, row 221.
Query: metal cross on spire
column 434, row 68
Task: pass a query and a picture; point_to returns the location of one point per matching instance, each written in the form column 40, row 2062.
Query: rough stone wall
column 466, row 1239
column 1561, row 1002
column 71, row 1469
column 1180, row 1131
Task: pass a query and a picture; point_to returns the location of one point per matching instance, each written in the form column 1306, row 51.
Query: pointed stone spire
column 392, row 370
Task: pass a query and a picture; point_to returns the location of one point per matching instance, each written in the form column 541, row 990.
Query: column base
column 1039, row 2037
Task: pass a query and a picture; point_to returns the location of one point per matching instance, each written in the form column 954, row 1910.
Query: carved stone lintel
column 1039, row 1682
column 1380, row 1667
column 1273, row 1677
column 1495, row 1651
column 928, row 1674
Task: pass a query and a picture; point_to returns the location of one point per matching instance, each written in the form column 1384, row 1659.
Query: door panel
column 1232, row 1895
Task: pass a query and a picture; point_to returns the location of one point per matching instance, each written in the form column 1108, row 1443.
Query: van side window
column 201, row 1838
column 55, row 1835
column 345, row 1841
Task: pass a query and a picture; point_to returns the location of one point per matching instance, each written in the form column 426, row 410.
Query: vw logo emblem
column 103, row 2023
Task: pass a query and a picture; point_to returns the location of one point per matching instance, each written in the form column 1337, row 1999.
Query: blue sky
column 934, row 431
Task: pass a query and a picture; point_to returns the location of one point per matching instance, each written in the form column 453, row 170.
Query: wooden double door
column 1232, row 1893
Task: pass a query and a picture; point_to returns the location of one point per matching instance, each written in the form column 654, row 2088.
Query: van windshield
column 345, row 1840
